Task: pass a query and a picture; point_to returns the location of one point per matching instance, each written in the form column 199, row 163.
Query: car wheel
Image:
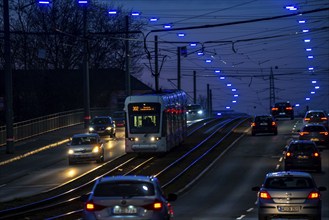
column 101, row 159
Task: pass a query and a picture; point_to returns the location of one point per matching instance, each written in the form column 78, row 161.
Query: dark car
column 119, row 118
column 302, row 155
column 314, row 132
column 128, row 197
column 264, row 124
column 283, row 110
column 289, row 194
column 194, row 111
column 103, row 125
column 316, row 117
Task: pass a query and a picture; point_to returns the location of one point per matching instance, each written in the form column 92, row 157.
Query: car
column 119, row 118
column 314, row 132
column 302, row 155
column 264, row 124
column 103, row 125
column 316, row 117
column 85, row 147
column 289, row 194
column 128, row 197
column 283, row 110
column 194, row 111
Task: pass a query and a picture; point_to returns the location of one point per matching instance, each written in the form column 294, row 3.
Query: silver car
column 316, row 117
column 85, row 147
column 288, row 194
column 127, row 197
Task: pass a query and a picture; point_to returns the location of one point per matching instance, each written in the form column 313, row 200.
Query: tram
column 155, row 122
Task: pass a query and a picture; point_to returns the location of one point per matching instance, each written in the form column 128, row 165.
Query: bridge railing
column 33, row 127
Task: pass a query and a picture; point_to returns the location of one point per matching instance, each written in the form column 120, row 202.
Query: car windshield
column 124, row 189
column 288, row 183
column 100, row 121
column 84, row 140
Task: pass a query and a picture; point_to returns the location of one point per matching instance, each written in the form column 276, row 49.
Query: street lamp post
column 10, row 148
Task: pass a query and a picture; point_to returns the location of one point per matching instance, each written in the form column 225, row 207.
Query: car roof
column 302, row 142
column 289, row 173
column 314, row 110
column 86, row 135
column 128, row 178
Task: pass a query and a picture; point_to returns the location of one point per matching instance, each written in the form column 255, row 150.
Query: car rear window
column 288, row 183
column 263, row 119
column 302, row 147
column 315, row 115
column 124, row 189
column 313, row 128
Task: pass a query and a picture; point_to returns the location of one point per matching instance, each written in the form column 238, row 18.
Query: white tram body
column 155, row 122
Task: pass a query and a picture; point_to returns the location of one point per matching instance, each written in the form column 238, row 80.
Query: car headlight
column 109, row 128
column 91, row 129
column 70, row 151
column 96, row 149
column 154, row 138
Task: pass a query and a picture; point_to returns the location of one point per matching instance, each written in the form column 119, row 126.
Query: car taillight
column 324, row 133
column 264, row 195
column 324, row 119
column 288, row 154
column 313, row 195
column 288, row 108
column 273, row 123
column 274, row 109
column 90, row 206
column 253, row 124
column 303, row 133
column 156, row 206
column 307, row 119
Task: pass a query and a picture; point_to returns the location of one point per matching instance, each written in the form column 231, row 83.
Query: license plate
column 263, row 123
column 124, row 210
column 288, row 208
column 314, row 139
column 302, row 157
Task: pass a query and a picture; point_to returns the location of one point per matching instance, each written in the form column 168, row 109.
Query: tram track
column 174, row 170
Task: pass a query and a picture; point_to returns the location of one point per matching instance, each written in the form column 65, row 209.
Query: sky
column 242, row 43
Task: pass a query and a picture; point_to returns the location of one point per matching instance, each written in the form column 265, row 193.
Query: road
column 225, row 191
column 49, row 169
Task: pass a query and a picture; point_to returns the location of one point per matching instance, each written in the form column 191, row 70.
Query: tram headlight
column 154, row 139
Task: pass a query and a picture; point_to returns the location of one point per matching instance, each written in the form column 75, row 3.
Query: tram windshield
column 144, row 118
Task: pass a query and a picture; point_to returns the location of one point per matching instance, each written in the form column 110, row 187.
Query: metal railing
column 33, row 127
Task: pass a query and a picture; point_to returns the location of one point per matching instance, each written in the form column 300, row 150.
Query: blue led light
column 208, row 61
column 113, row 12
column 222, row 77
column 310, row 57
column 44, row 2
column 317, row 87
column 305, row 31
column 291, row 8
column 193, row 44
column 153, row 19
column 307, row 99
column 236, row 95
column 227, row 107
column 135, row 13
column 312, row 92
column 228, row 84
column 314, row 81
column 307, row 40
column 311, row 68
column 181, row 35
column 167, row 26
column 217, row 71
column 82, row 1
column 308, row 49
column 200, row 53
column 234, row 101
column 301, row 21
column 297, row 105
column 233, row 90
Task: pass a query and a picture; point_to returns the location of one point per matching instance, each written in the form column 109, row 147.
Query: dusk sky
column 245, row 41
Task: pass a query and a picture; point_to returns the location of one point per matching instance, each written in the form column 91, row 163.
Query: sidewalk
column 39, row 143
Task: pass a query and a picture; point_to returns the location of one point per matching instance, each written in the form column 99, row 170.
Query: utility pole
column 194, row 87
column 85, row 64
column 272, row 89
column 156, row 64
column 10, row 148
column 128, row 86
column 178, row 68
